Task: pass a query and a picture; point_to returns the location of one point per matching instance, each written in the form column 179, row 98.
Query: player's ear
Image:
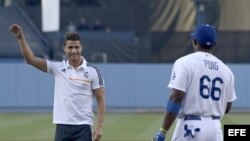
column 195, row 42
column 64, row 48
column 215, row 43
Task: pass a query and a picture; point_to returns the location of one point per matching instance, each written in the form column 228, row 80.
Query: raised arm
column 27, row 53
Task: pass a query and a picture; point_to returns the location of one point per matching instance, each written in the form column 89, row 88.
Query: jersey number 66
column 207, row 90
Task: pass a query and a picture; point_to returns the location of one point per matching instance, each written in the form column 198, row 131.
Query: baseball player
column 202, row 92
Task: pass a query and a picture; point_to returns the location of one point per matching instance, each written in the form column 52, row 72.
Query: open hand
column 17, row 30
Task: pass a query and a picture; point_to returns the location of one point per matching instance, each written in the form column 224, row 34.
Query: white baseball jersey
column 73, row 96
column 207, row 82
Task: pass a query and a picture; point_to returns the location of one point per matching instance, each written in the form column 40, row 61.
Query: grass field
column 117, row 127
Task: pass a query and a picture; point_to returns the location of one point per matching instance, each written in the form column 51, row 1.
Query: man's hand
column 17, row 30
column 159, row 136
column 97, row 135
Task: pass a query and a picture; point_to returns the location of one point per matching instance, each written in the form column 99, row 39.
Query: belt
column 196, row 117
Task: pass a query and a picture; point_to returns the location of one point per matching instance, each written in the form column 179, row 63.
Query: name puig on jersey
column 211, row 65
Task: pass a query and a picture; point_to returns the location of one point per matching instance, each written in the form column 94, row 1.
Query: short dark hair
column 71, row 36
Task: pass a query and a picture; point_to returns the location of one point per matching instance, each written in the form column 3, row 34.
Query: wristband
column 163, row 130
column 173, row 107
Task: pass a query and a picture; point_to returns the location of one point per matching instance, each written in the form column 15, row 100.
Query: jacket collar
column 82, row 66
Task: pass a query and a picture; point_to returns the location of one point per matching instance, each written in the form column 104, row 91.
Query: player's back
column 207, row 81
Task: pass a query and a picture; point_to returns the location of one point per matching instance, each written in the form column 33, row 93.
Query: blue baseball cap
column 205, row 35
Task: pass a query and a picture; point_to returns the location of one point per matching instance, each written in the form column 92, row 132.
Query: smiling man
column 76, row 83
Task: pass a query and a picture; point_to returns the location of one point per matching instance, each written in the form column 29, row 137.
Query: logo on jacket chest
column 86, row 74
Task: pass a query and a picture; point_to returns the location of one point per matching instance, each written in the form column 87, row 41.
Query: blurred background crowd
column 130, row 31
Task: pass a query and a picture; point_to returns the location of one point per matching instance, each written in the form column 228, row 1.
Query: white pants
column 206, row 129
